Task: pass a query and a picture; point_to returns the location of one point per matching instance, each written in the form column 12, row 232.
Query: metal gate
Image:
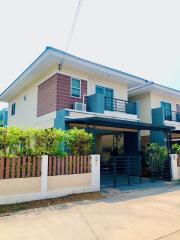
column 121, row 170
column 159, row 169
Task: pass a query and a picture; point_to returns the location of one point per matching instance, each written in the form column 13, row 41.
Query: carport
column 125, row 167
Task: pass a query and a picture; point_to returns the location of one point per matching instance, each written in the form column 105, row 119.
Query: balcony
column 112, row 107
column 172, row 116
column 118, row 105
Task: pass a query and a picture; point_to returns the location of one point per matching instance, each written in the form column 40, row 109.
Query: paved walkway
column 147, row 213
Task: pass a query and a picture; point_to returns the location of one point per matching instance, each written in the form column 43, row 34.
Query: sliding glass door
column 109, row 97
column 167, row 110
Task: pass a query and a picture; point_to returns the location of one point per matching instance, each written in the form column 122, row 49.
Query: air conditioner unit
column 80, row 106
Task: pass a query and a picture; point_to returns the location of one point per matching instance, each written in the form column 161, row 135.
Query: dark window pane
column 75, row 92
column 75, row 83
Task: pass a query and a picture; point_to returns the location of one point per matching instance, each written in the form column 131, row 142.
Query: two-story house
column 83, row 94
column 158, row 105
column 3, row 117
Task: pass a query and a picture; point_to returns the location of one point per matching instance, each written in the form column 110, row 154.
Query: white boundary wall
column 174, row 167
column 68, row 184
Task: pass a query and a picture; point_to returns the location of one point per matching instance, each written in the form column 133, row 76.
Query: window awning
column 114, row 122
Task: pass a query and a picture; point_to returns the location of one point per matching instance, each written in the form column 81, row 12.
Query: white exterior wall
column 26, row 111
column 145, row 106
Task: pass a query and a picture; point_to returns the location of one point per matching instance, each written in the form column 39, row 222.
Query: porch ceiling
column 112, row 122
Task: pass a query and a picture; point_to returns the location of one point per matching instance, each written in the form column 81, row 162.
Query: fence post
column 44, row 175
column 95, row 172
column 175, row 168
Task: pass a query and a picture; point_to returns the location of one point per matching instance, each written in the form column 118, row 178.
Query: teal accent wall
column 95, row 103
column 3, row 117
column 59, row 122
column 138, row 111
column 158, row 118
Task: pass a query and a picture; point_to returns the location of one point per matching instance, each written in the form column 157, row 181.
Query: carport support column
column 139, row 141
column 94, row 135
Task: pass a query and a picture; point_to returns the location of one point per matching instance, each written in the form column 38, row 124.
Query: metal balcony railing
column 114, row 104
column 172, row 116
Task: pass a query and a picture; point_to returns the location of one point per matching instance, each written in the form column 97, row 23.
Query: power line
column 71, row 31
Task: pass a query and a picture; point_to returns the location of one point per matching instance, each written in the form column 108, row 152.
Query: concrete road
column 126, row 216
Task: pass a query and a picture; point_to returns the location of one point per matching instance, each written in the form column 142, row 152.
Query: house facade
column 64, row 91
column 158, row 105
column 48, row 95
column 3, row 117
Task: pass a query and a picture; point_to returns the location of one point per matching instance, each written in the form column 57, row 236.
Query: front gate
column 121, row 170
column 159, row 169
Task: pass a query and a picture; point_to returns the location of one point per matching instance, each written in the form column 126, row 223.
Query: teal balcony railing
column 114, row 104
column 172, row 116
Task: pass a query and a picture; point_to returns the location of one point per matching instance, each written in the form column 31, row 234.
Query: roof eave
column 5, row 96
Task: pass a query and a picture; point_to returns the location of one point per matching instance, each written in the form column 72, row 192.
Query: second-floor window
column 167, row 110
column 75, row 87
column 13, row 109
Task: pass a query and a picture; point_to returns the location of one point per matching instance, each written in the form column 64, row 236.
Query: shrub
column 157, row 150
column 78, row 141
column 18, row 142
column 3, row 141
column 48, row 141
column 176, row 148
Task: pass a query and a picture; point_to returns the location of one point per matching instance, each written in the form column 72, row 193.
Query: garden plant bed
column 10, row 208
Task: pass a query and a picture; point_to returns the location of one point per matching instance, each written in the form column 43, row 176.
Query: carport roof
column 114, row 122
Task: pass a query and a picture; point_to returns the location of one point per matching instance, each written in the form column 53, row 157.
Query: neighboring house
column 81, row 94
column 3, row 117
column 158, row 105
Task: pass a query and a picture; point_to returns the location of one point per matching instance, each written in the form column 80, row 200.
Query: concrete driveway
column 122, row 215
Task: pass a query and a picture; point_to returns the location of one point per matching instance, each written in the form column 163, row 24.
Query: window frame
column 73, row 78
column 13, row 109
column 178, row 107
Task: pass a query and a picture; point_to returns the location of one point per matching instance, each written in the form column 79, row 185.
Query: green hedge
column 176, row 148
column 18, row 142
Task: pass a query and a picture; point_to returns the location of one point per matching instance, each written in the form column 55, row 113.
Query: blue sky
column 139, row 37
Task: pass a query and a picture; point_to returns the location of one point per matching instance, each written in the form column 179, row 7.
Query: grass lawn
column 10, row 208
